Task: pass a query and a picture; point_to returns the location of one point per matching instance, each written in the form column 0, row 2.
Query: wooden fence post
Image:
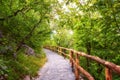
column 76, row 67
column 54, row 49
column 64, row 53
column 60, row 50
column 50, row 48
column 57, row 50
column 71, row 57
column 108, row 74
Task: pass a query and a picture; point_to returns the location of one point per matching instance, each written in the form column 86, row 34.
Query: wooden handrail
column 74, row 60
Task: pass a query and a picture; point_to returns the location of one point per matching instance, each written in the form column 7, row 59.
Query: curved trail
column 56, row 68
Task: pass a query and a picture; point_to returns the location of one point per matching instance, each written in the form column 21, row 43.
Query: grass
column 23, row 65
column 32, row 64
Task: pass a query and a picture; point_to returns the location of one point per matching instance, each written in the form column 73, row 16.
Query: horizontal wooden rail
column 74, row 59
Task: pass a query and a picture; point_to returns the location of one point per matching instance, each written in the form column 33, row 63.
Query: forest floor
column 56, row 68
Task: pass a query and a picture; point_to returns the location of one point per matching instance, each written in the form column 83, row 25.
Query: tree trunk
column 88, row 47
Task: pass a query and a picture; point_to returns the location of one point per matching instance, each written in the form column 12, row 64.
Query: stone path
column 56, row 68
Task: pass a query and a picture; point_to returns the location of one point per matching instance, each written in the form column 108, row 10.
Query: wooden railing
column 74, row 60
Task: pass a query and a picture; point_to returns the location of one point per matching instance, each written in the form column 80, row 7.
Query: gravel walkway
column 56, row 68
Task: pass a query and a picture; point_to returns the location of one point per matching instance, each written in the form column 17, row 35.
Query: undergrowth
column 17, row 69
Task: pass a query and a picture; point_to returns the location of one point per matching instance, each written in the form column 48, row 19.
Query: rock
column 29, row 50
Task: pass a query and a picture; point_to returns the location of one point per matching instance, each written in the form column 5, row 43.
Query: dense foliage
column 96, row 30
column 22, row 22
column 91, row 26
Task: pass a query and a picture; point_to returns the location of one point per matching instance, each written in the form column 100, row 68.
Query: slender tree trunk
column 88, row 47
